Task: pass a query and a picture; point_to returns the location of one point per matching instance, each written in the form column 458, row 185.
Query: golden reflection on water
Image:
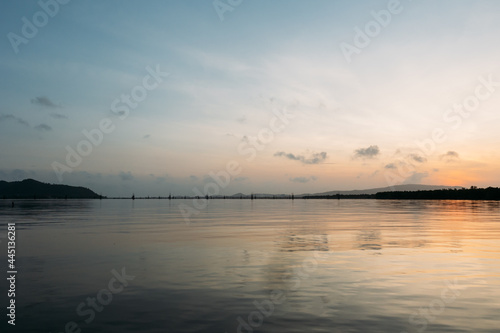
column 344, row 262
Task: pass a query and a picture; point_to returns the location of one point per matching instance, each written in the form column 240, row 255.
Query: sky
column 228, row 96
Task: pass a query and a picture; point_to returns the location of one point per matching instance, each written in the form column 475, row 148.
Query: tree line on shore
column 473, row 193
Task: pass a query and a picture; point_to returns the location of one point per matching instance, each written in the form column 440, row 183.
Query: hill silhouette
column 33, row 189
column 395, row 188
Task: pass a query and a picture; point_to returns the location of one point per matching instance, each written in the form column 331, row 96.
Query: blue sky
column 357, row 123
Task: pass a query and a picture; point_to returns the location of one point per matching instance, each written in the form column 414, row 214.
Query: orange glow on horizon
column 458, row 178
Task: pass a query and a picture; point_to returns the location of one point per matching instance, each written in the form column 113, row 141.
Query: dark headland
column 33, row 189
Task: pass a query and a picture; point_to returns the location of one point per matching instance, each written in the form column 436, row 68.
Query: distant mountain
column 407, row 187
column 30, row 188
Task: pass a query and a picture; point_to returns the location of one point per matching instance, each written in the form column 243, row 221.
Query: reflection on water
column 294, row 242
column 261, row 266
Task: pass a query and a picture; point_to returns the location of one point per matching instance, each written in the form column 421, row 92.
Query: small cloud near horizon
column 367, row 153
column 450, row 156
column 302, row 179
column 314, row 158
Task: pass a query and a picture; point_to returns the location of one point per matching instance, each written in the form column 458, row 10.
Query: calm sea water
column 254, row 266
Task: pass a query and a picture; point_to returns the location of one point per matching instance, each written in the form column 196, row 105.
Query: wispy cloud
column 44, row 101
column 43, row 128
column 314, row 158
column 302, row 179
column 19, row 120
column 5, row 117
column 417, row 158
column 367, row 153
column 391, row 166
column 58, row 116
column 450, row 156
